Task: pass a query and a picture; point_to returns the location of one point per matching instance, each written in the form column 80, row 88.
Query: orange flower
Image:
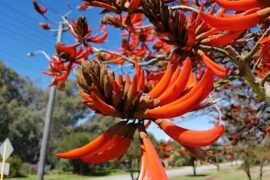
column 175, row 94
column 44, row 26
column 111, row 144
column 82, row 31
column 83, row 6
column 61, row 64
column 236, row 22
column 240, row 5
column 264, row 57
column 151, row 166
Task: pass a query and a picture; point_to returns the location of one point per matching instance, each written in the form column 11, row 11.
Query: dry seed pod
column 81, row 80
column 96, row 68
column 107, row 87
column 111, row 76
column 103, row 71
column 85, row 68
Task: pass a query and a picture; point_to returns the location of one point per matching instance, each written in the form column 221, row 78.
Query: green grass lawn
column 70, row 176
column 225, row 174
column 54, row 177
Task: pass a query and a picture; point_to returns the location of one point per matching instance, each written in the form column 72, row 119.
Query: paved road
column 173, row 172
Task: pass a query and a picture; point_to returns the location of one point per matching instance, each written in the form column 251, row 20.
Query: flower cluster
column 67, row 56
column 174, row 95
column 176, row 43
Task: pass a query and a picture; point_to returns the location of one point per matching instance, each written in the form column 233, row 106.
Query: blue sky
column 20, row 34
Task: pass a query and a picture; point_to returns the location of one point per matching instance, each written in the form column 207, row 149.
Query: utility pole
column 48, row 118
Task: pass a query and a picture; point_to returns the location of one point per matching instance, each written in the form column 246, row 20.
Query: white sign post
column 5, row 150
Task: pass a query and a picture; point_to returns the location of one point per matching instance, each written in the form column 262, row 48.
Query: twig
column 185, row 7
column 223, row 51
column 257, row 46
column 115, row 53
column 145, row 26
column 265, row 79
column 243, row 67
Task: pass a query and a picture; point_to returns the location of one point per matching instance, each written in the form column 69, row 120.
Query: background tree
column 246, row 119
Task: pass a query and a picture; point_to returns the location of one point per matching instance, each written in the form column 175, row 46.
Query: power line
column 19, row 12
column 7, row 26
column 25, row 36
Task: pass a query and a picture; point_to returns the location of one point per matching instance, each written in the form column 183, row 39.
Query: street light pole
column 48, row 117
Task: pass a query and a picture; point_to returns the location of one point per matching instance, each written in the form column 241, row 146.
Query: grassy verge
column 225, row 174
column 70, row 176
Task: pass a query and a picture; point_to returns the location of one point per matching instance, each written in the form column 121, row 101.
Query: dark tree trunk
column 193, row 160
column 217, row 160
column 131, row 169
column 247, row 169
column 261, row 168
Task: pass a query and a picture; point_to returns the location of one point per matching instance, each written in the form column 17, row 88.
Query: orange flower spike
column 236, row 23
column 134, row 4
column 133, row 86
column 175, row 109
column 207, row 89
column 85, row 96
column 93, row 145
column 100, row 39
column 62, row 77
column 216, row 68
column 144, row 165
column 192, row 81
column 186, row 103
column 137, row 71
column 174, row 76
column 115, row 149
column 116, row 136
column 87, row 104
column 175, row 90
column 222, row 39
column 191, row 37
column 117, row 94
column 182, row 24
column 127, row 79
column 207, row 33
column 206, row 80
column 155, row 168
column 191, row 18
column 97, row 92
column 141, row 82
column 192, row 138
column 127, row 85
column 198, row 19
column 163, row 83
column 119, row 80
column 116, row 87
column 103, row 107
column 239, row 5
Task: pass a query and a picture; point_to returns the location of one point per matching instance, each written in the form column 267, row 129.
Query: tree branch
column 257, row 46
column 115, row 53
column 185, row 8
column 244, row 69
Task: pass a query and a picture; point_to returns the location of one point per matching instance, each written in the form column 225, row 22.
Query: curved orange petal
column 192, row 138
